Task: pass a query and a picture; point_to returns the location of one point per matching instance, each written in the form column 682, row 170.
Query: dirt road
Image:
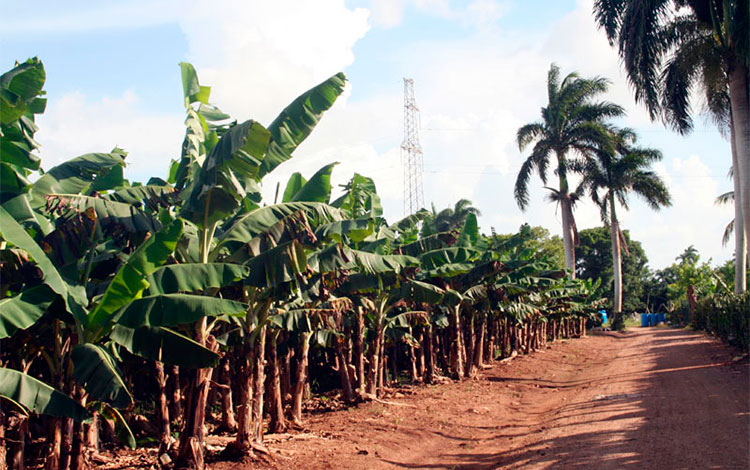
column 647, row 399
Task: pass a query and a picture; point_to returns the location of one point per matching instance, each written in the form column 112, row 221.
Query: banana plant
column 219, row 176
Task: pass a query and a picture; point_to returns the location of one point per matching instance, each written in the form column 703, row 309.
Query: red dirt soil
column 647, row 399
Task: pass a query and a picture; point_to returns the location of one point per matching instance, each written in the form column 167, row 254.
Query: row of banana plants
column 120, row 299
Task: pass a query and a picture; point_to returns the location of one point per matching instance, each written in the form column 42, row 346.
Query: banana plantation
column 152, row 314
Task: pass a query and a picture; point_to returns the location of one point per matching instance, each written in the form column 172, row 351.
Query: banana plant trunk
column 244, row 379
column 358, row 347
column 259, row 377
column 457, row 344
column 192, row 439
column 739, row 96
column 228, row 421
column 278, row 422
column 479, row 349
column 165, row 434
column 300, row 379
column 429, row 355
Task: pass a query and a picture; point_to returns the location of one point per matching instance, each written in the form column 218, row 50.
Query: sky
column 479, row 70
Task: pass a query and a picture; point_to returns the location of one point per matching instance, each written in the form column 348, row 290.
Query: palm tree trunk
column 740, row 252
column 566, row 208
column 614, row 234
column 739, row 96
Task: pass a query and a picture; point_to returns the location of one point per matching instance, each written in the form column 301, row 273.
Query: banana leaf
column 23, row 310
column 164, row 345
column 96, row 371
column 130, row 281
column 295, row 123
column 38, row 397
column 193, row 277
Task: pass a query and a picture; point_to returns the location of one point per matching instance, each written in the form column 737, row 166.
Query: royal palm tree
column 667, row 47
column 618, row 170
column 571, row 127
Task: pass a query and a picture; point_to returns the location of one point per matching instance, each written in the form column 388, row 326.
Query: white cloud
column 74, row 125
column 257, row 56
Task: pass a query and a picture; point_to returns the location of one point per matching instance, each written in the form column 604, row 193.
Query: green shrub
column 725, row 315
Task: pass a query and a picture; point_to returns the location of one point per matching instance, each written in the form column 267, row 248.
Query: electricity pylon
column 411, row 152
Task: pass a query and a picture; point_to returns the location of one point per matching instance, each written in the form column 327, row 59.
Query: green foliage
column 727, row 316
column 533, row 242
column 37, row 396
column 21, row 97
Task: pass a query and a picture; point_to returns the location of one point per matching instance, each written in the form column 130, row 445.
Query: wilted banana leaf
column 151, row 196
column 23, row 310
column 175, row 309
column 298, row 120
column 194, row 277
column 98, row 374
column 114, row 216
column 229, row 174
column 262, row 219
column 74, row 296
column 38, row 397
column 317, row 188
column 162, row 344
column 75, row 176
column 130, row 281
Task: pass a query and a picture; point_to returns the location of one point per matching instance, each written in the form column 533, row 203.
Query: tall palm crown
column 668, row 46
column 572, row 127
column 621, row 169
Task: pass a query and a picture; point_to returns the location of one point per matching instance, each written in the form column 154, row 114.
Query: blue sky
column 479, row 67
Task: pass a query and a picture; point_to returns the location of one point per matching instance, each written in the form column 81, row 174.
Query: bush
column 726, row 316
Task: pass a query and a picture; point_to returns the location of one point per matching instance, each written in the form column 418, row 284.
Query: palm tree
column 450, row 218
column 617, row 170
column 667, row 47
column 571, row 123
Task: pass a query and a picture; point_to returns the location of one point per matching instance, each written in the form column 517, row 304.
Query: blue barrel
column 662, row 318
column 654, row 319
column 645, row 320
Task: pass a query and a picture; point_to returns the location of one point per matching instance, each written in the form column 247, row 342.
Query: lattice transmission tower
column 411, row 152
